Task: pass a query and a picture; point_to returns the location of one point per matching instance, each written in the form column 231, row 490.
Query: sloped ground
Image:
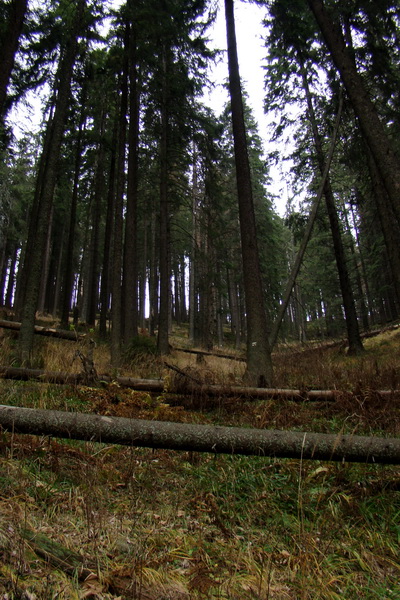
column 82, row 520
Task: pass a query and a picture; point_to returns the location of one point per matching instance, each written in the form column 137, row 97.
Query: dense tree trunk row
column 147, row 208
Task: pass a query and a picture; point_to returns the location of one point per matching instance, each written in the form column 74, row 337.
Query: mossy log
column 58, row 556
column 200, row 438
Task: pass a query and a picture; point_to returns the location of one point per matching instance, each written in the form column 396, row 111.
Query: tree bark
column 46, row 259
column 63, row 334
column 11, row 276
column 163, row 317
column 360, row 253
column 356, row 269
column 259, row 369
column 373, row 130
column 201, row 438
column 130, row 275
column 389, row 224
column 69, row 255
column 99, row 193
column 46, row 185
column 153, row 273
column 194, row 256
column 234, row 307
column 108, row 236
column 353, row 332
column 143, row 299
column 116, row 306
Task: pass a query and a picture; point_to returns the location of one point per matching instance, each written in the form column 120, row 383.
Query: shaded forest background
column 122, row 212
column 126, row 217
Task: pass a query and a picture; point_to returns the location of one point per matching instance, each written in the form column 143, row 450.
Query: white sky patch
column 26, row 117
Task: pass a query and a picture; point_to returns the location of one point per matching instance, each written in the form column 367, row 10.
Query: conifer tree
column 259, row 363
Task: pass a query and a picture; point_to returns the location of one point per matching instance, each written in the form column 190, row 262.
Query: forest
column 125, row 207
column 200, row 393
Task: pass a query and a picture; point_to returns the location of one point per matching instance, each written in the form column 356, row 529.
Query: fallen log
column 213, row 354
column 158, row 386
column 58, row 377
column 200, row 438
column 23, row 374
column 58, row 556
column 50, row 332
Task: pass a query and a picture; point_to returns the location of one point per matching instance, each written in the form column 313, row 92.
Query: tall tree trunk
column 4, row 258
column 130, row 276
column 55, row 307
column 108, row 236
column 84, row 268
column 47, row 186
column 194, row 251
column 259, row 364
column 353, row 332
column 373, row 130
column 153, row 275
column 205, row 267
column 116, row 307
column 69, row 255
column 234, row 308
column 143, row 279
column 41, row 305
column 310, row 225
column 356, row 269
column 28, row 253
column 163, row 317
column 389, row 225
column 99, row 192
column 8, row 49
column 360, row 253
column 177, row 299
column 182, row 287
column 11, row 277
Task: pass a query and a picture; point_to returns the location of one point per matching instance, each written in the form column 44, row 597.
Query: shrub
column 140, row 347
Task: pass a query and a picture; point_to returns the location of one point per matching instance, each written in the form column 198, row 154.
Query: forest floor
column 87, row 520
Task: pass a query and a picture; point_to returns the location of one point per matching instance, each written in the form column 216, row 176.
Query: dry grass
column 167, row 525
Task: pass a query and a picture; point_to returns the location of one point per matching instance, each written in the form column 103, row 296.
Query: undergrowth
column 86, row 520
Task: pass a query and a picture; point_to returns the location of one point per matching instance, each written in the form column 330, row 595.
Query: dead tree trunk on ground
column 200, row 438
column 58, row 333
column 187, row 386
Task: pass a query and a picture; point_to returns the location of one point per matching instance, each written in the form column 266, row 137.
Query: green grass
column 182, row 526
column 209, row 527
